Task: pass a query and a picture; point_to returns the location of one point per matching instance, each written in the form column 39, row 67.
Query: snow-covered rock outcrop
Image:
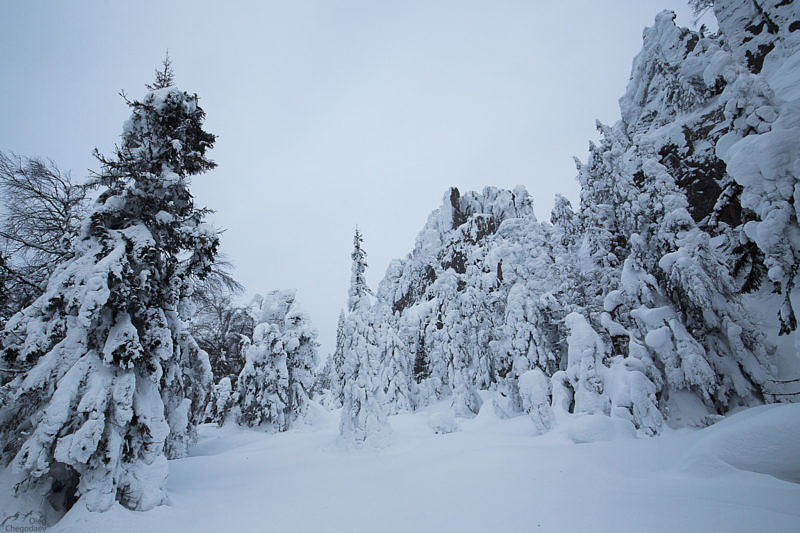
column 688, row 203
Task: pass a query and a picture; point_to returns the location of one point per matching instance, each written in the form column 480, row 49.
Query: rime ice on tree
column 274, row 387
column 111, row 381
column 363, row 421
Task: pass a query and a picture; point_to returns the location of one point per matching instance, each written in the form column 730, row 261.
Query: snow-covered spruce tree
column 220, row 402
column 262, row 389
column 363, row 421
column 110, row 381
column 531, row 332
column 720, row 348
column 677, row 319
column 601, row 246
column 337, row 363
column 469, row 337
column 300, row 343
column 274, row 386
column 358, row 283
column 761, row 147
column 322, row 389
column 395, row 367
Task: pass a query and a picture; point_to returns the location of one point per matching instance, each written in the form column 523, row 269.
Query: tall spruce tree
column 109, row 380
column 358, row 283
column 363, row 420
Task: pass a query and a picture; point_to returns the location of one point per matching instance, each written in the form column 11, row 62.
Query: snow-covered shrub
column 535, row 392
column 220, row 402
column 633, row 395
column 442, row 422
column 562, row 393
column 585, row 366
column 466, row 401
column 506, row 401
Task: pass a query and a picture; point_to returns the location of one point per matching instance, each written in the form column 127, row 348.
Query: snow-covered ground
column 490, row 475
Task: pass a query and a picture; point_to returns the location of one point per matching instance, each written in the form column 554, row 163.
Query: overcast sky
column 331, row 114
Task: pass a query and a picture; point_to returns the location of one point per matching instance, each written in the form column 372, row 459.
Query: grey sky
column 331, row 114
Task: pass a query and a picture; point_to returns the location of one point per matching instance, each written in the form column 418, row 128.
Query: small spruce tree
column 337, row 378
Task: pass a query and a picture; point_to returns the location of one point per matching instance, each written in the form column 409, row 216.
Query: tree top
column 165, row 77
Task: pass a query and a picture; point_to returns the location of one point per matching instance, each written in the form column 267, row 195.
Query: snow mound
column 764, row 439
column 596, row 428
column 443, row 422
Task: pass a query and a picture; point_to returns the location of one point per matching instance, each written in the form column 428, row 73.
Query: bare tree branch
column 41, row 209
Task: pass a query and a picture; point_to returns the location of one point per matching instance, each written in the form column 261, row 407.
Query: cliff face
column 633, row 305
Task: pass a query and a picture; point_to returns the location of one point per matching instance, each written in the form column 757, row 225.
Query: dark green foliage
column 748, row 266
column 422, row 367
column 165, row 77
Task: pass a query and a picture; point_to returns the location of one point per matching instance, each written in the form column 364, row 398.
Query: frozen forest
column 647, row 334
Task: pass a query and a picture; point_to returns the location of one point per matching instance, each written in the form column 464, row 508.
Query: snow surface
column 492, row 475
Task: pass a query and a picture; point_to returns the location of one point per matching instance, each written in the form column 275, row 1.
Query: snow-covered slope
column 492, row 475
